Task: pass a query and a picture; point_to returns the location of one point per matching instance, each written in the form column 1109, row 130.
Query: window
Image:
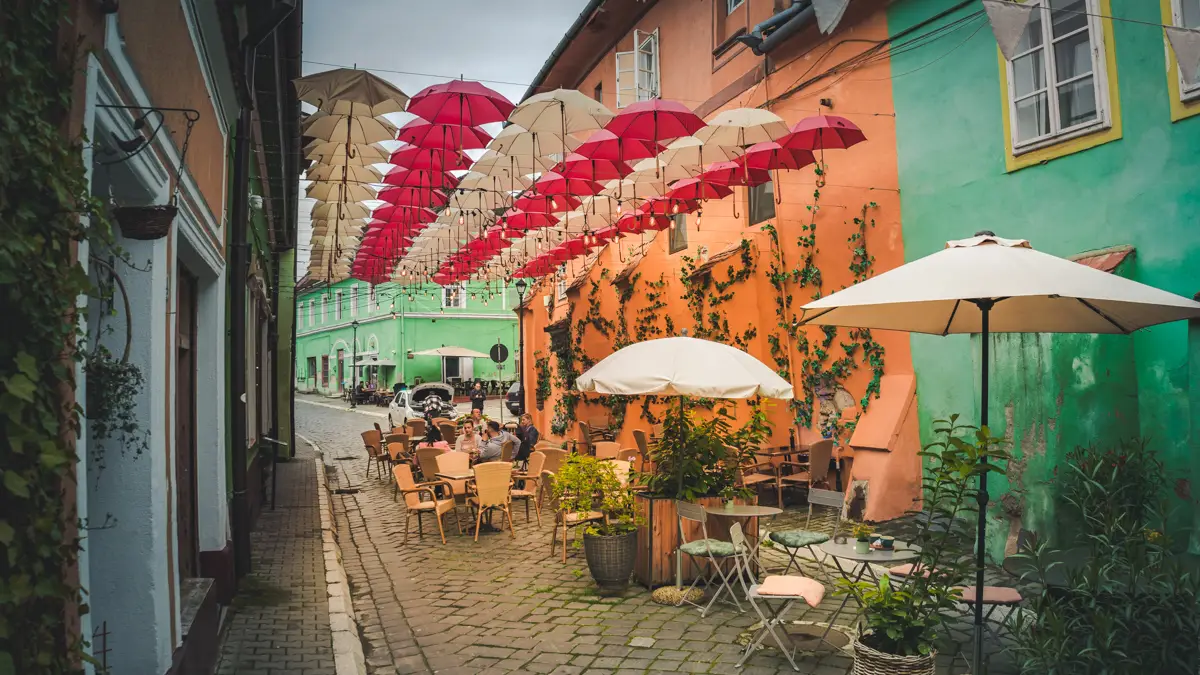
column 1057, row 85
column 372, row 299
column 561, row 287
column 310, row 313
column 731, row 5
column 598, row 92
column 762, row 202
column 354, row 300
column 337, row 306
column 324, row 307
column 637, row 71
column 678, row 232
column 454, row 296
column 1186, row 14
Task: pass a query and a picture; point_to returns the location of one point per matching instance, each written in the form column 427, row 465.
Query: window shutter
column 647, row 75
column 626, row 79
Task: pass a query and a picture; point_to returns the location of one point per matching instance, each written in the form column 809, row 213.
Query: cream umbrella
column 478, row 181
column 493, row 163
column 350, row 85
column 741, row 127
column 650, row 171
column 349, row 173
column 329, row 152
column 480, row 199
column 562, row 111
column 348, row 128
column 361, row 109
column 452, row 352
column 337, row 191
column 517, row 140
column 691, row 152
column 340, row 211
column 986, row 285
column 602, row 206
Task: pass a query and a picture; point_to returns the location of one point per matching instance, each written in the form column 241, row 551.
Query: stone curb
column 343, row 408
column 348, row 658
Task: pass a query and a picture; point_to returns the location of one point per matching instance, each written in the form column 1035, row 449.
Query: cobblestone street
column 506, row 605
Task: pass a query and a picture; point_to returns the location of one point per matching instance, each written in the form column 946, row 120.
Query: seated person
column 529, row 437
column 477, row 418
column 492, row 448
column 468, row 439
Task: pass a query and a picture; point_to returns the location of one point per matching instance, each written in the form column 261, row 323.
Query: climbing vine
column 43, row 196
column 646, row 324
column 563, row 348
column 705, row 294
column 541, row 364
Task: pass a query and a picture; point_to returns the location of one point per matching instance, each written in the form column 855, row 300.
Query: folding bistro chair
column 788, row 589
column 699, row 551
column 793, row 541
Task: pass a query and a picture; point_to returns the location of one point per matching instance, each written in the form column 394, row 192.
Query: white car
column 435, row 397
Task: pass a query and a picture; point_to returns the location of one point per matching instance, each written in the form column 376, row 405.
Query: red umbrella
column 665, row 206
column 734, row 173
column 577, row 166
column 655, row 120
column 404, row 214
column 572, row 248
column 460, row 102
column 822, row 132
column 438, row 159
column 552, row 183
column 542, row 203
column 697, row 188
column 771, row 156
column 413, row 196
column 523, row 220
column 424, row 134
column 605, row 144
column 636, row 223
column 395, row 228
column 419, row 178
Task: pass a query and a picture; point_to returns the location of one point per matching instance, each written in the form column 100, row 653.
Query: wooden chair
column 606, row 449
column 599, row 429
column 373, row 442
column 583, row 438
column 415, row 505
column 506, row 451
column 427, row 462
column 565, row 520
column 449, row 432
column 493, row 490
column 531, row 490
column 754, row 474
column 416, row 428
column 814, row 472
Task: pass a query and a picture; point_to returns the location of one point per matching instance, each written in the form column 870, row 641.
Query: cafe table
column 744, row 513
column 901, row 552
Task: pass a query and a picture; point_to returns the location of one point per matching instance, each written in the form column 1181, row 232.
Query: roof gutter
column 781, row 27
column 571, row 34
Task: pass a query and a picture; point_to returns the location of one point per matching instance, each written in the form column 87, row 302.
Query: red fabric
column 655, row 120
column 823, row 132
column 413, row 196
column 460, row 101
column 437, row 159
column 541, row 203
column 586, row 168
column 606, row 145
column 424, row 134
column 522, row 220
column 394, row 213
column 697, row 188
column 735, row 173
column 419, row 178
column 552, row 183
column 636, row 222
column 665, row 206
column 771, row 155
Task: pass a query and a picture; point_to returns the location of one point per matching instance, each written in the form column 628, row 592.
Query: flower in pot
column 903, row 621
column 584, row 484
column 862, row 536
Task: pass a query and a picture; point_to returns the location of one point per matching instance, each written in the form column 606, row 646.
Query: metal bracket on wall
column 134, row 146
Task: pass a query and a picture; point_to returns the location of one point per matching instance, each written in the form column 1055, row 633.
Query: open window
column 762, row 202
column 454, row 296
column 678, row 233
column 1186, row 14
column 638, row 70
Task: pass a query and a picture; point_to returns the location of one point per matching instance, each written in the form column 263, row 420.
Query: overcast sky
column 501, row 44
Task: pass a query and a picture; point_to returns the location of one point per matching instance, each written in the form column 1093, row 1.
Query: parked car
column 435, row 397
column 512, row 400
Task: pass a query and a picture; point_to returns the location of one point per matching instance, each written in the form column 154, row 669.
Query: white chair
column 793, row 541
column 786, row 589
column 713, row 551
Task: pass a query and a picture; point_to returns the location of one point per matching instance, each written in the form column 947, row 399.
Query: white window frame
column 462, row 296
column 1187, row 92
column 560, row 288
column 732, row 5
column 1099, row 75
column 337, row 306
column 646, row 83
column 324, row 306
column 372, row 299
column 310, row 313
column 354, row 300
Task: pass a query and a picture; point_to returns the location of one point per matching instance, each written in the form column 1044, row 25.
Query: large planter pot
column 658, row 536
column 869, row 661
column 610, row 559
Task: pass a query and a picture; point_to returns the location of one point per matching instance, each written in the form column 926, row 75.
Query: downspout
column 238, row 267
column 781, row 26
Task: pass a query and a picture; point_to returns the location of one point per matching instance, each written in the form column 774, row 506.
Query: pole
column 238, row 266
column 985, row 307
column 354, row 364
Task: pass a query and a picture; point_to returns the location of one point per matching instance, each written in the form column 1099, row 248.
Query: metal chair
column 793, row 541
column 713, row 551
column 788, row 589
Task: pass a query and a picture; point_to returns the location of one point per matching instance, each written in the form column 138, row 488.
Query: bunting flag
column 1186, row 43
column 829, row 13
column 1008, row 20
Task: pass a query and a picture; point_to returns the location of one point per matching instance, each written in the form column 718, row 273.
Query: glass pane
column 1077, row 102
column 1067, row 16
column 731, row 5
column 1029, row 74
column 1073, row 56
column 1190, row 13
column 1033, row 118
column 1032, row 37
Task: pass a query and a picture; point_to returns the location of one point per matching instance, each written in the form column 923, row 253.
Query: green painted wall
column 407, row 319
column 1052, row 393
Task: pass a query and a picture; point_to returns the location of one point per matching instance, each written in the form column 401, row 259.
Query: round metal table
column 900, row 553
column 744, row 512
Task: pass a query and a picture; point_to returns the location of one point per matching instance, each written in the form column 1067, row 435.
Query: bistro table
column 742, row 512
column 901, row 552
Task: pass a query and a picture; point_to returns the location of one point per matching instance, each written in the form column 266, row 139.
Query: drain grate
column 345, row 459
column 346, row 491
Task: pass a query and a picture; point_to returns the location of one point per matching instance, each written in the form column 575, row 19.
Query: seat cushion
column 992, row 595
column 579, row 516
column 798, row 538
column 702, row 547
column 523, row 493
column 793, row 587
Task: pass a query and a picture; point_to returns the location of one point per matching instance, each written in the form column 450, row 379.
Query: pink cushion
column 440, row 444
column 992, row 595
column 793, row 587
column 905, row 570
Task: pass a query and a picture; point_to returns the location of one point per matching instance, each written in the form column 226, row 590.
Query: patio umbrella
column 413, row 196
column 741, row 127
column 460, row 102
column 438, row 159
column 459, row 137
column 822, row 132
column 348, row 128
column 986, row 285
column 565, row 111
column 452, row 352
column 349, row 85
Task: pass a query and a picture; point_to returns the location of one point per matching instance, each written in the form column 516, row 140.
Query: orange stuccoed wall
column 855, row 179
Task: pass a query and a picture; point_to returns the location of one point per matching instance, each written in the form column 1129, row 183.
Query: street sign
column 499, row 353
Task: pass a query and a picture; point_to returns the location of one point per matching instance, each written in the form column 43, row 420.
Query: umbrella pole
column 985, row 307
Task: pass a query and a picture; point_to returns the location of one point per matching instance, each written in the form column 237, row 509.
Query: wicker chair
column 415, row 505
column 449, row 432
column 427, row 461
column 555, row 458
column 416, row 428
column 531, row 490
column 493, row 490
column 373, row 442
column 583, row 438
column 606, row 449
column 506, row 451
column 564, row 520
column 814, row 472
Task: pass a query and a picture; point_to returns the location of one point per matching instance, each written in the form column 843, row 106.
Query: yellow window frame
column 1180, row 109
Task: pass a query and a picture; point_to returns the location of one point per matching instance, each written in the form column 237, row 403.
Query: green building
column 1087, row 145
column 385, row 325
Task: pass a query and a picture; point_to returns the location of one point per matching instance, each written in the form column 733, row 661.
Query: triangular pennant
column 829, row 13
column 1008, row 20
column 1186, row 43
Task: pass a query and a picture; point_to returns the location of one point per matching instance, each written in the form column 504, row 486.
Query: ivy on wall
column 541, row 364
column 705, row 294
column 563, row 348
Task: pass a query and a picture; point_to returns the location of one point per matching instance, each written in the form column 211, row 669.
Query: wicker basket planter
column 610, row 559
column 145, row 222
column 868, row 661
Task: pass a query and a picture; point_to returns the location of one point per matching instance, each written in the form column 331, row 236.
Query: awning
column 452, row 352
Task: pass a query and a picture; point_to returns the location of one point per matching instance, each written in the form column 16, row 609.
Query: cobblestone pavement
column 505, row 605
column 279, row 621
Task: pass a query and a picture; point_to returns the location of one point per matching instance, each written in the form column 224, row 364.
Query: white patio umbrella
column 985, row 285
column 452, row 352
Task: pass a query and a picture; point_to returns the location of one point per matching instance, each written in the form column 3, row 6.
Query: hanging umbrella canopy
column 668, row 206
column 347, row 128
column 460, row 102
column 523, row 220
column 683, row 366
column 479, row 181
column 546, row 203
column 822, row 132
column 413, row 196
column 604, row 144
column 435, row 159
column 403, row 214
column 345, row 173
column 339, row 211
column 771, row 156
column 734, row 173
column 655, row 120
column 337, row 191
column 654, row 171
column 697, row 188
column 517, row 140
column 419, row 178
column 565, row 111
column 479, row 199
column 551, row 183
column 361, row 109
column 349, row 85
column 692, row 153
column 602, row 205
column 493, row 163
column 576, row 165
column 452, row 352
column 330, row 152
column 636, row 223
column 427, row 135
column 629, row 190
column 741, row 127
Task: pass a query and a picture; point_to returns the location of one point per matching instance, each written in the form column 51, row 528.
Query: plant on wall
column 646, row 324
column 705, row 294
column 563, row 347
column 541, row 364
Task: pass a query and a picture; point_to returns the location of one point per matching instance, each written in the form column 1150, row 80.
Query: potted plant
column 585, row 484
column 862, row 536
column 902, row 622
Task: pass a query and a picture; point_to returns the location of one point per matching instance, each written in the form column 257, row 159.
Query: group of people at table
column 484, row 439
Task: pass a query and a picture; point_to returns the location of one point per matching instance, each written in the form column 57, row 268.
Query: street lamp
column 521, row 286
column 354, row 365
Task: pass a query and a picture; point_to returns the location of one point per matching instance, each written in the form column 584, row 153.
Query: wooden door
column 312, row 371
column 186, row 526
column 325, row 370
column 341, row 365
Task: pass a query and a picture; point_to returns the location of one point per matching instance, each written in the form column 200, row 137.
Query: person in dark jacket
column 478, row 396
column 529, row 437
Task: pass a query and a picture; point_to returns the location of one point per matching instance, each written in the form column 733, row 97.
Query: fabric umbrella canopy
column 822, row 132
column 693, row 153
column 655, row 120
column 452, row 352
column 460, row 137
column 735, row 173
column 404, row 214
column 986, row 285
column 339, row 211
column 551, row 183
column 604, row 144
column 418, row 178
column 328, row 152
column 493, row 163
column 743, row 126
column 350, row 85
column 479, row 181
column 576, row 165
column 348, row 129
column 522, row 220
column 517, row 140
column 668, row 367
column 697, row 188
column 361, row 109
column 337, row 191
column 460, row 102
column 347, row 173
column 566, row 111
column 772, row 156
column 546, row 203
column 413, row 196
column 654, row 171
column 436, row 159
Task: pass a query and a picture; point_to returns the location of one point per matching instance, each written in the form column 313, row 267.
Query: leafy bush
column 585, row 484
